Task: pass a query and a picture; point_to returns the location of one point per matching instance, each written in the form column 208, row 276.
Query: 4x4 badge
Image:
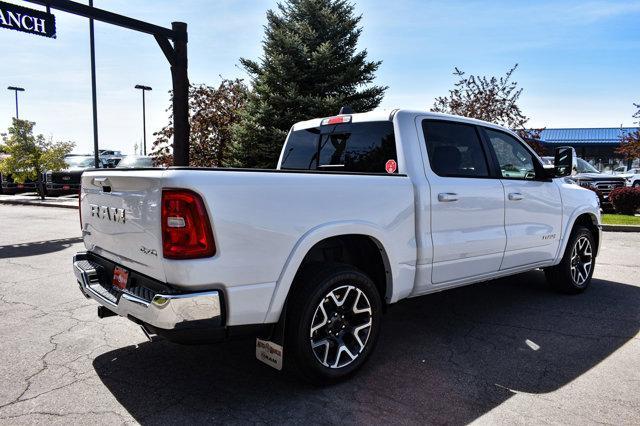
column 151, row 252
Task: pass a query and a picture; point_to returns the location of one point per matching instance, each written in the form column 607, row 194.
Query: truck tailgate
column 121, row 215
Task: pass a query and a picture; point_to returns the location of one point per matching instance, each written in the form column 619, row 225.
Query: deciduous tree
column 630, row 142
column 492, row 99
column 212, row 112
column 310, row 68
column 30, row 155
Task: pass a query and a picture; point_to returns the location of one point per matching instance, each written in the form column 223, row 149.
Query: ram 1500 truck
column 364, row 210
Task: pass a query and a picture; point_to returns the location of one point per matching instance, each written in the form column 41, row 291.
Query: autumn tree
column 30, row 155
column 212, row 112
column 533, row 138
column 310, row 68
column 492, row 99
column 630, row 142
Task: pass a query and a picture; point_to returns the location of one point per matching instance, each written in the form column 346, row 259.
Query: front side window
column 359, row 147
column 454, row 149
column 515, row 161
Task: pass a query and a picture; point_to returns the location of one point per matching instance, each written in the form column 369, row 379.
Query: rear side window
column 454, row 149
column 357, row 147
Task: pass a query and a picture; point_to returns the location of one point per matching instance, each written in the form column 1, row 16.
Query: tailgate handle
column 103, row 182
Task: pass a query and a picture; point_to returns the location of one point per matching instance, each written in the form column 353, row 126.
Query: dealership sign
column 27, row 20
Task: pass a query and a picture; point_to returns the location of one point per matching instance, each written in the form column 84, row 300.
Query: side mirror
column 565, row 162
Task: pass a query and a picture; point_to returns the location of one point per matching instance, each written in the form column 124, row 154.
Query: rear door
column 533, row 207
column 467, row 203
column 121, row 215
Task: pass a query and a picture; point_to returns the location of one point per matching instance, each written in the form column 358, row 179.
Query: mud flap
column 270, row 353
column 270, row 349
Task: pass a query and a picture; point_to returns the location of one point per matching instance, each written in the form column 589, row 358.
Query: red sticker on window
column 391, row 166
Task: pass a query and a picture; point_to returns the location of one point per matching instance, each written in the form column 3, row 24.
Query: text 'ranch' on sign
column 27, row 20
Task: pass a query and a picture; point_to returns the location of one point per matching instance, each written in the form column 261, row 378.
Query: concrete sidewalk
column 32, row 199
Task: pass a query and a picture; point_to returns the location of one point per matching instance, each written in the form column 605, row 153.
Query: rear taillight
column 186, row 231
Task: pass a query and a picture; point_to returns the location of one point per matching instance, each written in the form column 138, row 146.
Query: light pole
column 16, row 90
column 144, row 118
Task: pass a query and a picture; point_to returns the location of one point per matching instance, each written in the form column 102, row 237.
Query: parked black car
column 68, row 181
column 8, row 186
column 589, row 177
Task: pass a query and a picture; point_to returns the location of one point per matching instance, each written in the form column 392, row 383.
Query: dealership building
column 595, row 145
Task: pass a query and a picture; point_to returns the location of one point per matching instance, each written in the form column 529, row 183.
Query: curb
column 38, row 204
column 621, row 228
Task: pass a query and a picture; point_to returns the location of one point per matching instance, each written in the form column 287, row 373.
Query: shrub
column 625, row 200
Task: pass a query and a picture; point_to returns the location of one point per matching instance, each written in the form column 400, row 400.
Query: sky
column 579, row 61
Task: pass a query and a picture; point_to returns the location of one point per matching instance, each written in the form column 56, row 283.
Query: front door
column 467, row 203
column 533, row 208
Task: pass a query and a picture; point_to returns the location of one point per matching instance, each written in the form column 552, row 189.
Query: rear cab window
column 364, row 147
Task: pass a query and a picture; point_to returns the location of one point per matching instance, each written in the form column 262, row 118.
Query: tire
column 636, row 184
column 573, row 274
column 333, row 322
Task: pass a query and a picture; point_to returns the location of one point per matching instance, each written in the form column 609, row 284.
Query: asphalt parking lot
column 508, row 351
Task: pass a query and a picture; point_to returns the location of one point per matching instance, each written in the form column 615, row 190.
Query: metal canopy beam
column 109, row 17
column 176, row 56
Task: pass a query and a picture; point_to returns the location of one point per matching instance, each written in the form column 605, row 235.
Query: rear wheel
column 333, row 322
column 573, row 274
column 636, row 184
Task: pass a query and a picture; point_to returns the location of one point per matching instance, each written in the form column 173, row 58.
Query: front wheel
column 573, row 274
column 333, row 321
column 636, row 184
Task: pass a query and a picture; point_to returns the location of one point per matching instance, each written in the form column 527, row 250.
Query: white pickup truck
column 364, row 210
column 631, row 176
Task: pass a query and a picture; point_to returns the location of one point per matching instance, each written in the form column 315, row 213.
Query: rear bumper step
column 162, row 311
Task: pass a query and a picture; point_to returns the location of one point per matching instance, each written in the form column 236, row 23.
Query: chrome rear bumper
column 165, row 311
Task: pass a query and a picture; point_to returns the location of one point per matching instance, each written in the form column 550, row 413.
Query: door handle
column 447, row 197
column 516, row 196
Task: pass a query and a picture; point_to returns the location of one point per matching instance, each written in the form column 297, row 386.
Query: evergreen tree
column 310, row 68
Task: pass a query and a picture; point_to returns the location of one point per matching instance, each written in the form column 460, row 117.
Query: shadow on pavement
column 37, row 248
column 445, row 358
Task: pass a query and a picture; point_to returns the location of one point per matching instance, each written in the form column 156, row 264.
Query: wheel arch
column 325, row 241
column 587, row 219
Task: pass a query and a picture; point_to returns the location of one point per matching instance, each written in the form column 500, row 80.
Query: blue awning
column 586, row 136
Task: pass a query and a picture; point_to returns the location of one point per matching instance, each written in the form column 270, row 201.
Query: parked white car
column 364, row 210
column 631, row 176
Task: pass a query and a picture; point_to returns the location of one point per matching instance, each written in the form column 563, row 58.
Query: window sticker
column 391, row 166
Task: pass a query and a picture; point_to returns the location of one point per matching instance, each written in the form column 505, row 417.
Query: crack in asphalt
column 67, row 414
column 68, row 314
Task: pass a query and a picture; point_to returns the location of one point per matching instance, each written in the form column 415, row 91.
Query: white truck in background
column 364, row 210
column 631, row 176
